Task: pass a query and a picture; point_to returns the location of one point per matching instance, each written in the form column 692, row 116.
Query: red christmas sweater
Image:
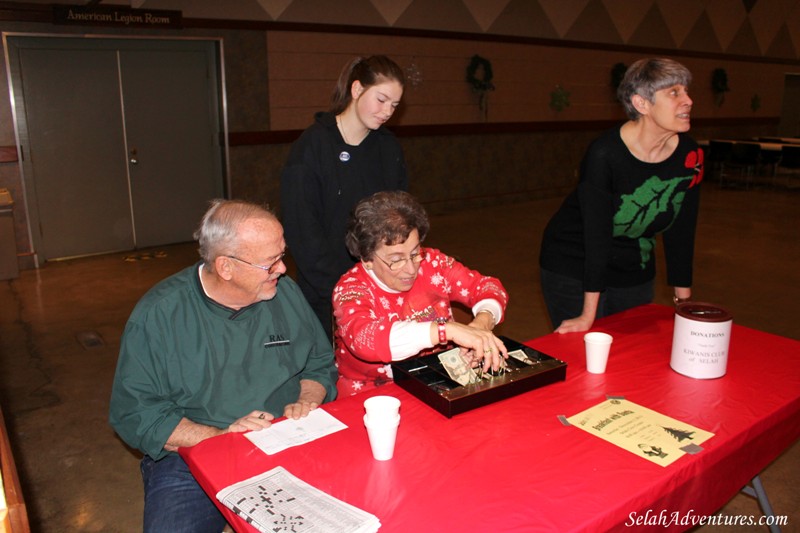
column 365, row 313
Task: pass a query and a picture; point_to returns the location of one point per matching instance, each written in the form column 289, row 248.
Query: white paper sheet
column 290, row 432
column 277, row 501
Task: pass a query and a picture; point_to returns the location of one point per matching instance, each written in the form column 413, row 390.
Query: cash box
column 426, row 378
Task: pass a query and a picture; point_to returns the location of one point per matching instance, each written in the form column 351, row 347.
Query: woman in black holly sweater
column 636, row 181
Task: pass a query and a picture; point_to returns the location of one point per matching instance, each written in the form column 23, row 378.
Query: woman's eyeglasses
column 398, row 264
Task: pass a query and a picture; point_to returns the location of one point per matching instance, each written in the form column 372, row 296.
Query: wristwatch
column 440, row 326
column 677, row 300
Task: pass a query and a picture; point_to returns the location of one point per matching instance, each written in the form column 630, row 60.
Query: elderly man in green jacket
column 219, row 347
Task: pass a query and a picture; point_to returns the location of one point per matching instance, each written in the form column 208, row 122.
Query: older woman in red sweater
column 395, row 303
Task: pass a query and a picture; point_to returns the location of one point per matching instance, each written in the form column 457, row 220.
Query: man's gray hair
column 218, row 232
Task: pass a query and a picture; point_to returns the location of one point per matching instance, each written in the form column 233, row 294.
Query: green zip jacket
column 184, row 355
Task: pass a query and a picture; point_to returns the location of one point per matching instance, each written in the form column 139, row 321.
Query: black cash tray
column 425, row 378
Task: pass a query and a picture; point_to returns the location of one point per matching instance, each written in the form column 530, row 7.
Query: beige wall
column 304, row 67
column 278, row 75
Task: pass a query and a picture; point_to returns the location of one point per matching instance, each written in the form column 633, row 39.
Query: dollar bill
column 519, row 355
column 458, row 369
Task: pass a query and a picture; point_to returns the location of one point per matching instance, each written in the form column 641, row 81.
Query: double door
column 121, row 140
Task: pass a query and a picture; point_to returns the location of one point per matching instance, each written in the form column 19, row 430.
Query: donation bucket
column 700, row 340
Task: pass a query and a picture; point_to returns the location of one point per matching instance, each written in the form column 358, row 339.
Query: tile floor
column 60, row 329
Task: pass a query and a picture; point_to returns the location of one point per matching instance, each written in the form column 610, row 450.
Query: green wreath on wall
column 617, row 74
column 755, row 102
column 484, row 83
column 479, row 77
column 719, row 85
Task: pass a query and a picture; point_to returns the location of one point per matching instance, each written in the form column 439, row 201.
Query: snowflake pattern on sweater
column 365, row 313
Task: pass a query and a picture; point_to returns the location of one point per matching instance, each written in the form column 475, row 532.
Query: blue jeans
column 173, row 500
column 564, row 297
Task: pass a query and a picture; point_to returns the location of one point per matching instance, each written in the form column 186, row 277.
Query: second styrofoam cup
column 598, row 346
column 382, row 436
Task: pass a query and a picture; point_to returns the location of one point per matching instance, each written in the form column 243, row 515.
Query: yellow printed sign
column 641, row 431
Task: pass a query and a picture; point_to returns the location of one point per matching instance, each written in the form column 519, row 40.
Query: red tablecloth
column 512, row 466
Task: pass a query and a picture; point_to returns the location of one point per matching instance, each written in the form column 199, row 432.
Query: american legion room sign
column 116, row 16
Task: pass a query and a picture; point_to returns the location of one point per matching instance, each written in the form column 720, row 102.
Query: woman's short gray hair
column 647, row 76
column 387, row 218
column 218, row 233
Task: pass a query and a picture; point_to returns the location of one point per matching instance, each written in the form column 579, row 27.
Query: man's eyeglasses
column 396, row 265
column 268, row 269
